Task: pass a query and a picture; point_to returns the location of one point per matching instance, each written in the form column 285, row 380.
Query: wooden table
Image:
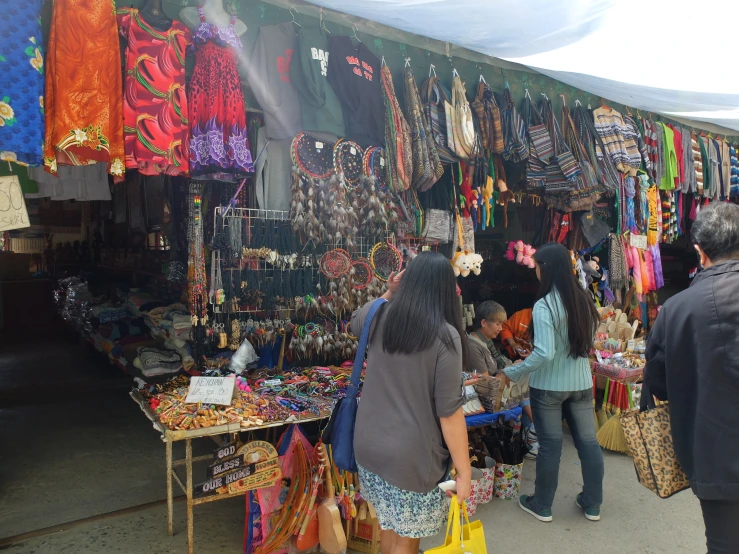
column 217, row 433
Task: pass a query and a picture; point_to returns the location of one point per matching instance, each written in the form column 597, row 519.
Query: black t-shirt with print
column 354, row 74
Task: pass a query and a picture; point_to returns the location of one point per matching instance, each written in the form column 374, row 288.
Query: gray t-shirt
column 398, row 434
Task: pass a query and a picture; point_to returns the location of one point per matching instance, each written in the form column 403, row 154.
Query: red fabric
column 678, row 140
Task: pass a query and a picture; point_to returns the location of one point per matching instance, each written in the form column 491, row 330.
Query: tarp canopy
column 666, row 56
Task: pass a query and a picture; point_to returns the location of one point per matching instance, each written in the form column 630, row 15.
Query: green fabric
column 321, row 109
column 706, row 160
column 671, row 171
column 28, row 186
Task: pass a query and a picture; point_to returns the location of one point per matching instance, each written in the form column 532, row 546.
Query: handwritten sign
column 211, row 390
column 638, row 241
column 13, row 212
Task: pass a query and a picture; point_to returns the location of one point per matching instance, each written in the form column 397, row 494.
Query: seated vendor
column 483, row 356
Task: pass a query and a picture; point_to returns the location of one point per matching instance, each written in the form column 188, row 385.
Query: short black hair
column 716, row 231
column 486, row 311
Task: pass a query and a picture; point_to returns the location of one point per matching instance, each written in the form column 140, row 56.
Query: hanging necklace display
column 197, row 280
column 348, row 161
column 384, row 260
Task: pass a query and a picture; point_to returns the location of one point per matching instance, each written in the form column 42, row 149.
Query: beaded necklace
column 196, row 276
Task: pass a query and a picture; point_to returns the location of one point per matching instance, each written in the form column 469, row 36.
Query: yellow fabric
column 469, row 539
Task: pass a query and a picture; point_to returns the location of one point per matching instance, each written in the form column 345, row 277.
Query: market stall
column 231, row 240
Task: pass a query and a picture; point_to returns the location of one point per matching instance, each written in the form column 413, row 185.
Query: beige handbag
column 463, row 125
column 649, row 436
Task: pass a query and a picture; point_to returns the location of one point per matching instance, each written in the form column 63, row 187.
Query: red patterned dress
column 155, row 125
column 219, row 147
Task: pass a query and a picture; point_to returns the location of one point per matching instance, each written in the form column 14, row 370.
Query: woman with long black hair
column 563, row 329
column 411, row 403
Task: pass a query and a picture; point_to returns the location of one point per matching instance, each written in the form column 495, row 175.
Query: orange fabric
column 516, row 327
column 84, row 91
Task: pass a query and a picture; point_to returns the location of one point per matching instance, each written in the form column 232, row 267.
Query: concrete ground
column 74, row 446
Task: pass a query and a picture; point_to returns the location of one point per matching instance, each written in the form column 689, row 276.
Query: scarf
column 617, row 263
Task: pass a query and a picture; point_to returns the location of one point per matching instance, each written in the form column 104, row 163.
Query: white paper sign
column 211, row 390
column 13, row 213
column 639, row 241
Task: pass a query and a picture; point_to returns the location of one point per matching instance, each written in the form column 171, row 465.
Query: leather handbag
column 339, row 432
column 649, row 435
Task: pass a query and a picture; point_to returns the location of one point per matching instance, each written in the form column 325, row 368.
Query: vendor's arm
column 544, row 345
column 655, row 375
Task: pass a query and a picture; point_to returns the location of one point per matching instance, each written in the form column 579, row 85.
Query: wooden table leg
column 190, row 522
column 170, row 507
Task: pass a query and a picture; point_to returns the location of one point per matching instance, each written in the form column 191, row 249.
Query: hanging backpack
column 427, row 167
column 463, row 126
column 563, row 169
column 435, row 98
column 397, row 136
column 514, row 130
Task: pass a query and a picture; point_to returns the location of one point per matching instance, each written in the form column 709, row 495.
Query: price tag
column 272, row 382
column 353, row 151
column 13, row 212
column 319, row 145
column 382, row 162
column 638, row 241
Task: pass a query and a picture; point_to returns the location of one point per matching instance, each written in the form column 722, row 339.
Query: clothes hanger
column 564, row 101
column 293, row 11
column 432, row 69
column 407, row 62
column 323, row 21
column 628, row 112
column 638, row 113
column 354, row 33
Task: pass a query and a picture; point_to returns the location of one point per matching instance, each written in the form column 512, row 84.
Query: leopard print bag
column 649, row 436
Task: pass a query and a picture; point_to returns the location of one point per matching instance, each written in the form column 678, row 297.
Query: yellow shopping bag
column 462, row 537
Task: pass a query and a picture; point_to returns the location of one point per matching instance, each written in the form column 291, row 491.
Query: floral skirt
column 409, row 514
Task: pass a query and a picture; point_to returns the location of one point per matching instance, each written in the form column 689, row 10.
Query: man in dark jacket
column 693, row 361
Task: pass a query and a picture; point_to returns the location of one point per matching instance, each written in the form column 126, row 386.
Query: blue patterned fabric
column 409, row 514
column 22, row 83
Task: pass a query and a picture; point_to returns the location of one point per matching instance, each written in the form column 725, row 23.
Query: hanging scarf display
column 616, row 264
column 397, row 136
column 629, row 196
column 427, row 168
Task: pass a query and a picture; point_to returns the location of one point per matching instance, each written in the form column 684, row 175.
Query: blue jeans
column 548, row 408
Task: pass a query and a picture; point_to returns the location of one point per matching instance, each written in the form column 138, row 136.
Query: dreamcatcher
column 375, row 165
column 348, row 161
column 360, row 274
column 384, row 260
column 335, row 263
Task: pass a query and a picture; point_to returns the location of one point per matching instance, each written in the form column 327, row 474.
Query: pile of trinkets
column 258, row 401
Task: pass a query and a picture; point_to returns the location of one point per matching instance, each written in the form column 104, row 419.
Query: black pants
column 722, row 526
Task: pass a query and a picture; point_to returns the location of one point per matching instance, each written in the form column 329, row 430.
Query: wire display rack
column 267, row 264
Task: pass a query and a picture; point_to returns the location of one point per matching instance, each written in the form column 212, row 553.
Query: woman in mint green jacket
column 563, row 327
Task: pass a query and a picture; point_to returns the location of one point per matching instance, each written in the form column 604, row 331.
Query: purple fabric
column 210, row 148
column 221, row 36
column 659, row 280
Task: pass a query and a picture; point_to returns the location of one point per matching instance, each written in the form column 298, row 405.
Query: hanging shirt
column 22, row 87
column 671, row 171
column 354, row 74
column 84, row 90
column 697, row 164
column 320, row 107
column 269, row 77
column 155, row 115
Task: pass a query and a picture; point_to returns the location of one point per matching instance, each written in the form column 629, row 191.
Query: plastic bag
column 461, row 539
column 244, row 356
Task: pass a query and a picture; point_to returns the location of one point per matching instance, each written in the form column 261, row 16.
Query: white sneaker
column 534, row 450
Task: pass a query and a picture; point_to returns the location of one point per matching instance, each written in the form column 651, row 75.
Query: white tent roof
column 669, row 56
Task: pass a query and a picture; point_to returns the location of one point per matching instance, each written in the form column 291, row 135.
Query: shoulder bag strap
column 362, row 347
